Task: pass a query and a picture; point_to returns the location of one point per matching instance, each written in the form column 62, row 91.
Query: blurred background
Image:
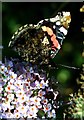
column 16, row 14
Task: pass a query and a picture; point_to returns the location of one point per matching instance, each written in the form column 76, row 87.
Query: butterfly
column 38, row 43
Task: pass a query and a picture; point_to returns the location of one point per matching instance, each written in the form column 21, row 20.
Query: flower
column 52, row 114
column 32, row 113
column 35, row 101
column 5, row 105
column 12, row 75
column 24, row 95
column 42, row 84
column 9, row 115
column 44, row 100
column 17, row 114
column 47, row 107
column 10, row 97
column 8, row 88
column 22, row 109
column 21, row 98
column 1, row 88
column 41, row 93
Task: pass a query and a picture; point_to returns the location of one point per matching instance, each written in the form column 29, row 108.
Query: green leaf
column 41, row 113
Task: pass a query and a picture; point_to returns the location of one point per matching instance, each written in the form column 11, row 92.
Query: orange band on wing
column 49, row 31
column 53, row 36
column 55, row 41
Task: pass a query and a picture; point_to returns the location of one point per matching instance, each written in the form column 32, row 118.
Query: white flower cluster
column 24, row 96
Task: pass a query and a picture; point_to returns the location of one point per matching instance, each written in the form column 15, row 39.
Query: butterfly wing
column 56, row 29
column 27, row 41
column 38, row 43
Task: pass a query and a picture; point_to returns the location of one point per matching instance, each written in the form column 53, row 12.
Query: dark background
column 16, row 14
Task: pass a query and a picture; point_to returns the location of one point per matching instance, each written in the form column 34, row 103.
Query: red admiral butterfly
column 38, row 43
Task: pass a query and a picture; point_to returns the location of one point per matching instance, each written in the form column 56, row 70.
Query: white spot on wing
column 58, row 23
column 54, row 26
column 13, row 37
column 66, row 13
column 46, row 19
column 16, row 32
column 10, row 43
column 45, row 41
column 40, row 22
column 62, row 29
column 20, row 28
column 52, row 19
column 56, row 18
column 30, row 25
column 25, row 25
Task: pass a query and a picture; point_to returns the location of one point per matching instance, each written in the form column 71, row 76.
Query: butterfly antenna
column 70, row 67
